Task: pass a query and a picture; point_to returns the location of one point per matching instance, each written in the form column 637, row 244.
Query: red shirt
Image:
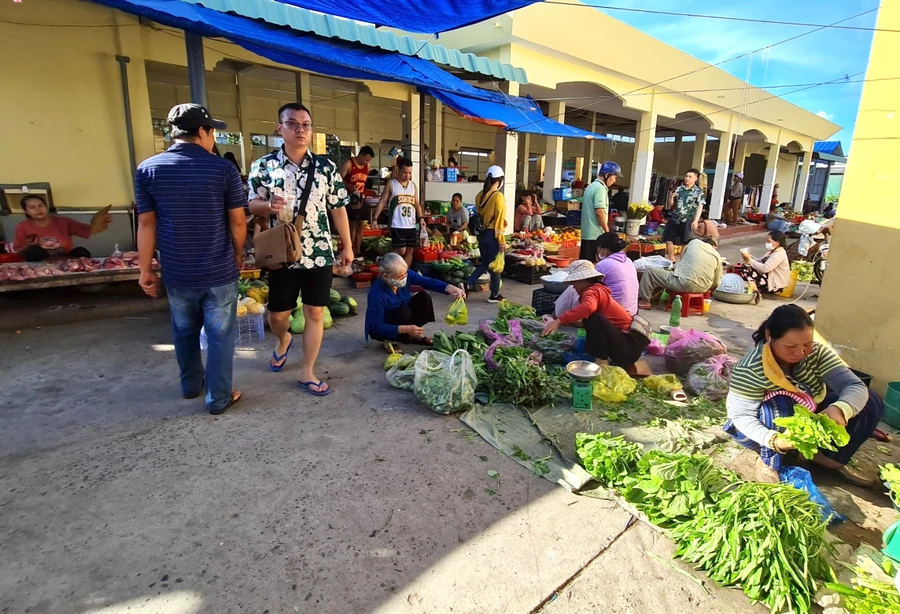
column 656, row 216
column 55, row 237
column 597, row 299
column 356, row 177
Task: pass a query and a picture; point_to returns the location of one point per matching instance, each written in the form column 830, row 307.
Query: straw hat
column 583, row 269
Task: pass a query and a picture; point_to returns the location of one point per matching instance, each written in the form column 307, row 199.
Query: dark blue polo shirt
column 191, row 191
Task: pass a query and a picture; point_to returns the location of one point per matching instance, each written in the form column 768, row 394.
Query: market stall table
column 59, row 278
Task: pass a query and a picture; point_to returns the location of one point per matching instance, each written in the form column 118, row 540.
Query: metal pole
column 193, row 44
column 421, row 152
column 126, row 100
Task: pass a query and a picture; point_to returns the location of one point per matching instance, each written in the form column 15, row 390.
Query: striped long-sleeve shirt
column 820, row 370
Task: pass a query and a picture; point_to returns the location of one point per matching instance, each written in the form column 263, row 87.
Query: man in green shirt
column 595, row 210
column 687, row 203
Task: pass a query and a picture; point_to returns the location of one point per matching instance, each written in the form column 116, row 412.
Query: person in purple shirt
column 621, row 276
column 393, row 312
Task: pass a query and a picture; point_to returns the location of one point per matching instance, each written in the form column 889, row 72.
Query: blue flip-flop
column 281, row 358
column 321, row 393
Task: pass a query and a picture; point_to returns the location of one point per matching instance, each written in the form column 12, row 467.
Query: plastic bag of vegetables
column 613, row 385
column 711, row 377
column 687, row 348
column 554, row 346
column 497, row 264
column 446, row 384
column 403, row 374
column 458, row 313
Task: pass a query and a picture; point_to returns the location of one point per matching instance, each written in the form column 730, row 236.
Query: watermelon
column 339, row 310
column 328, row 320
column 335, row 296
column 351, row 303
column 298, row 324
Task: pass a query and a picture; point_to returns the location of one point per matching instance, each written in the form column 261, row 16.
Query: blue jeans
column 214, row 310
column 489, row 248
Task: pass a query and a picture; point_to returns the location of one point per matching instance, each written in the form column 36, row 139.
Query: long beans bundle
column 767, row 538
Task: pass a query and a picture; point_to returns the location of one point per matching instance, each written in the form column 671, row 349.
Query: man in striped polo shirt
column 190, row 206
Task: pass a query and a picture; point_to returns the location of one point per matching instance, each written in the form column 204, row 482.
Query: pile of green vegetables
column 476, row 346
column 670, row 488
column 509, row 310
column 811, row 432
column 767, row 538
column 521, row 382
column 873, row 590
column 890, row 473
column 805, row 270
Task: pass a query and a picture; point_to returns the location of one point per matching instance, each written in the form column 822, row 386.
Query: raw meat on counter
column 114, row 263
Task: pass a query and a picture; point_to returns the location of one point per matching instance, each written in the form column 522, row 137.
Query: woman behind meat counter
column 42, row 235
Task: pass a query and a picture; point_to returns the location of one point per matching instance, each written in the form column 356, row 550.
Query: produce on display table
column 811, row 432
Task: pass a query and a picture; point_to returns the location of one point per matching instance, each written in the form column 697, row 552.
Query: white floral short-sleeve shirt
column 275, row 171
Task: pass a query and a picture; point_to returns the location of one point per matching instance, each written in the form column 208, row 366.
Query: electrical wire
column 772, row 22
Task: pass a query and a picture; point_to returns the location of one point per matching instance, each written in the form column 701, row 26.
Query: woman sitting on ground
column 42, row 235
column 611, row 334
column 772, row 272
column 620, row 276
column 393, row 313
column 786, row 368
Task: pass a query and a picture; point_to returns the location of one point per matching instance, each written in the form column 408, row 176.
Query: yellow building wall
column 858, row 308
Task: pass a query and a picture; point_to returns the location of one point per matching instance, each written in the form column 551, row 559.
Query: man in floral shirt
column 277, row 183
column 687, row 203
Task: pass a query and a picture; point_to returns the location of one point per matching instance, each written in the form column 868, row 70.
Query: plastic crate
column 562, row 193
column 530, row 275
column 450, row 174
column 248, row 330
column 573, row 218
column 423, row 256
column 543, row 302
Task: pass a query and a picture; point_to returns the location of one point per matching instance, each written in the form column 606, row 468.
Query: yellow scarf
column 774, row 372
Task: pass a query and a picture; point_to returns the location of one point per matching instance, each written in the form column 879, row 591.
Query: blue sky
column 817, row 57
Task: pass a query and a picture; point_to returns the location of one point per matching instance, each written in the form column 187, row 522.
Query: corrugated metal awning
column 329, row 26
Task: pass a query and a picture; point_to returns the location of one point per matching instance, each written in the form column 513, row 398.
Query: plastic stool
column 691, row 303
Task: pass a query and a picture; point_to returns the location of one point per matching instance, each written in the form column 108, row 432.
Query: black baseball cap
column 192, row 116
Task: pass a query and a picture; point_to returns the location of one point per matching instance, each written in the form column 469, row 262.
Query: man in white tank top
column 401, row 198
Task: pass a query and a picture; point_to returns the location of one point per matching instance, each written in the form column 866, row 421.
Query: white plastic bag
column 446, row 384
column 647, row 262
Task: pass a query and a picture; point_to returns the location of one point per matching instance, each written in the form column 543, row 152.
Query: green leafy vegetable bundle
column 476, row 346
column 805, row 270
column 671, row 488
column 891, row 474
column 873, row 590
column 769, row 539
column 810, row 432
column 509, row 310
column 519, row 381
column 609, row 459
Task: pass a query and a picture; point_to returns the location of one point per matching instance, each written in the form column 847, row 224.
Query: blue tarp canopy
column 339, row 59
column 514, row 113
column 414, row 15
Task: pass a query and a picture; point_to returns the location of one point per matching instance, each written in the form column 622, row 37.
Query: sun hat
column 583, row 269
column 739, row 175
column 495, row 172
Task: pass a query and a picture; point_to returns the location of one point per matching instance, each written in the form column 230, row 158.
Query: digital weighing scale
column 582, row 373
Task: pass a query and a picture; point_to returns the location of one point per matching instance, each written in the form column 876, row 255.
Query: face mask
column 769, row 246
column 396, row 283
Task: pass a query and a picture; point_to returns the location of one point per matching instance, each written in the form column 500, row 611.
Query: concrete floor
column 118, row 495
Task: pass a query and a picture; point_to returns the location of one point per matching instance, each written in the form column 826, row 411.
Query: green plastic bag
column 496, row 266
column 663, row 384
column 613, row 385
column 458, row 313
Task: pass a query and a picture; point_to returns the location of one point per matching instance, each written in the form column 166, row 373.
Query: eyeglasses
column 297, row 127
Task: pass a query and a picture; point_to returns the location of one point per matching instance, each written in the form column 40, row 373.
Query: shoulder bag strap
column 304, row 196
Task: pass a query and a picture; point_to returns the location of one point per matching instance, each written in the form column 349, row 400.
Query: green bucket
column 892, row 405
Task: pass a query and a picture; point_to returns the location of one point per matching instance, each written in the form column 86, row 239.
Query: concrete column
column 193, row 44
column 588, row 159
column 246, row 142
column 413, row 135
column 579, row 168
column 676, row 151
column 740, row 156
column 436, row 129
column 642, row 166
column 524, row 146
column 771, row 173
column 506, row 153
column 304, row 96
column 800, row 193
column 720, row 181
column 699, row 153
column 553, row 159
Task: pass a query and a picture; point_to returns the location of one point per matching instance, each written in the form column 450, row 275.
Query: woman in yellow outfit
column 490, row 207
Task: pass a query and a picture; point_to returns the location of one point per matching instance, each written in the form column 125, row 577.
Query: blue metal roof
column 329, row 26
column 828, row 147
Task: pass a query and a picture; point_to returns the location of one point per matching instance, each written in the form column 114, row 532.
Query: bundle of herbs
column 810, row 432
column 769, row 539
column 671, row 488
column 509, row 310
column 609, row 459
column 520, row 381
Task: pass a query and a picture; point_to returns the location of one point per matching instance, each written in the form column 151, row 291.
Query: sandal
column 319, row 393
column 282, row 359
column 857, row 478
column 235, row 397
